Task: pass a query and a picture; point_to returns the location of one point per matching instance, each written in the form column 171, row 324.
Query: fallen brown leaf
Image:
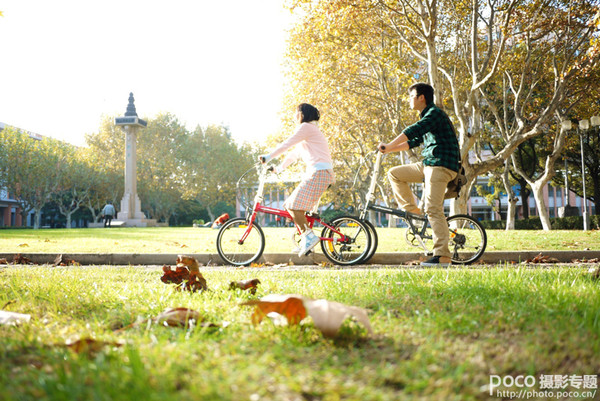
column 13, row 318
column 594, row 260
column 290, row 306
column 254, row 264
column 542, row 259
column 189, row 262
column 251, row 285
column 89, row 345
column 186, row 275
column 174, row 317
column 62, row 260
column 327, row 316
column 3, row 261
column 178, row 317
column 21, row 260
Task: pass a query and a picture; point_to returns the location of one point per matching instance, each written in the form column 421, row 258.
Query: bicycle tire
column 468, row 239
column 229, row 247
column 374, row 240
column 354, row 249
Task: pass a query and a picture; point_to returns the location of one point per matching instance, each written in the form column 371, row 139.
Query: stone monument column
column 131, row 208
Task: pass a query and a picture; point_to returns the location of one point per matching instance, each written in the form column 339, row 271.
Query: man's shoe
column 435, row 262
column 308, row 242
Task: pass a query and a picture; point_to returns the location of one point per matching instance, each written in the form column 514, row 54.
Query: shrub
column 534, row 223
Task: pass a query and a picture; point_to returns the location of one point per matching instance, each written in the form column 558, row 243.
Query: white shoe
column 309, row 241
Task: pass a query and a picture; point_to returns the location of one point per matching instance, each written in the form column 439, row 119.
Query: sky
column 66, row 63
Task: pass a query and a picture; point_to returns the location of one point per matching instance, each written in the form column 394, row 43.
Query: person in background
column 310, row 145
column 219, row 221
column 108, row 212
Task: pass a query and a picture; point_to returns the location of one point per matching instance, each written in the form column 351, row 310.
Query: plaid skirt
column 306, row 196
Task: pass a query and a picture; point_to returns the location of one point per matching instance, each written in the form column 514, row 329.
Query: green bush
column 330, row 214
column 534, row 223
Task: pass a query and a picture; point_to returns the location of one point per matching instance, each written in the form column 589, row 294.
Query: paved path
column 384, row 259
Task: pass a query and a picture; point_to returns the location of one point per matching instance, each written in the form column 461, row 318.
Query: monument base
column 137, row 223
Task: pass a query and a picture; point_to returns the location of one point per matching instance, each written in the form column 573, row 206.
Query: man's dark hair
column 425, row 90
column 309, row 112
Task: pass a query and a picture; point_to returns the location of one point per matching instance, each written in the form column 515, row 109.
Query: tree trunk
column 538, row 193
column 596, row 181
column 512, row 199
column 510, row 213
column 525, row 192
column 38, row 218
column 211, row 216
column 459, row 205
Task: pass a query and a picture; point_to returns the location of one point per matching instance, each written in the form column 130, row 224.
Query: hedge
column 534, row 223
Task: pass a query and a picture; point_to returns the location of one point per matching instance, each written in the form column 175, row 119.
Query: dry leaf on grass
column 186, row 275
column 250, row 285
column 178, row 317
column 13, row 318
column 3, row 261
column 290, row 306
column 189, row 262
column 21, row 260
column 254, row 264
column 173, row 317
column 594, row 260
column 62, row 260
column 89, row 345
column 327, row 316
column 542, row 259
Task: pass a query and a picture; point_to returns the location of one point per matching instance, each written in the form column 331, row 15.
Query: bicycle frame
column 257, row 207
column 410, row 218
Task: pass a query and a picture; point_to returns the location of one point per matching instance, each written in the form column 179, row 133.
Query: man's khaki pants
column 436, row 180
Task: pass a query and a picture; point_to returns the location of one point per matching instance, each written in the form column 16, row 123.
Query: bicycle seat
column 313, row 215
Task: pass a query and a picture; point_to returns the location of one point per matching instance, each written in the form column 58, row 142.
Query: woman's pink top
column 312, row 148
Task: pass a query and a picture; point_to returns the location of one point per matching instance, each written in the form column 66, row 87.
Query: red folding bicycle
column 241, row 241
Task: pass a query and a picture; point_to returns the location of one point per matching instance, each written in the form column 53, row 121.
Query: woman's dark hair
column 425, row 90
column 309, row 112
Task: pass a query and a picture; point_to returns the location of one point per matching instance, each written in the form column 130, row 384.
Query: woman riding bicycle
column 311, row 146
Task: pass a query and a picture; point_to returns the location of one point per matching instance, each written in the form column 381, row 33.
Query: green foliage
column 330, row 214
column 534, row 223
column 32, row 169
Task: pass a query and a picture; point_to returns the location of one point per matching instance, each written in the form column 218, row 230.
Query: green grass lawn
column 439, row 333
column 176, row 240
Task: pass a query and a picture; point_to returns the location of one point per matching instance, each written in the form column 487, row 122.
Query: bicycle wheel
column 374, row 240
column 347, row 242
column 467, row 239
column 235, row 252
